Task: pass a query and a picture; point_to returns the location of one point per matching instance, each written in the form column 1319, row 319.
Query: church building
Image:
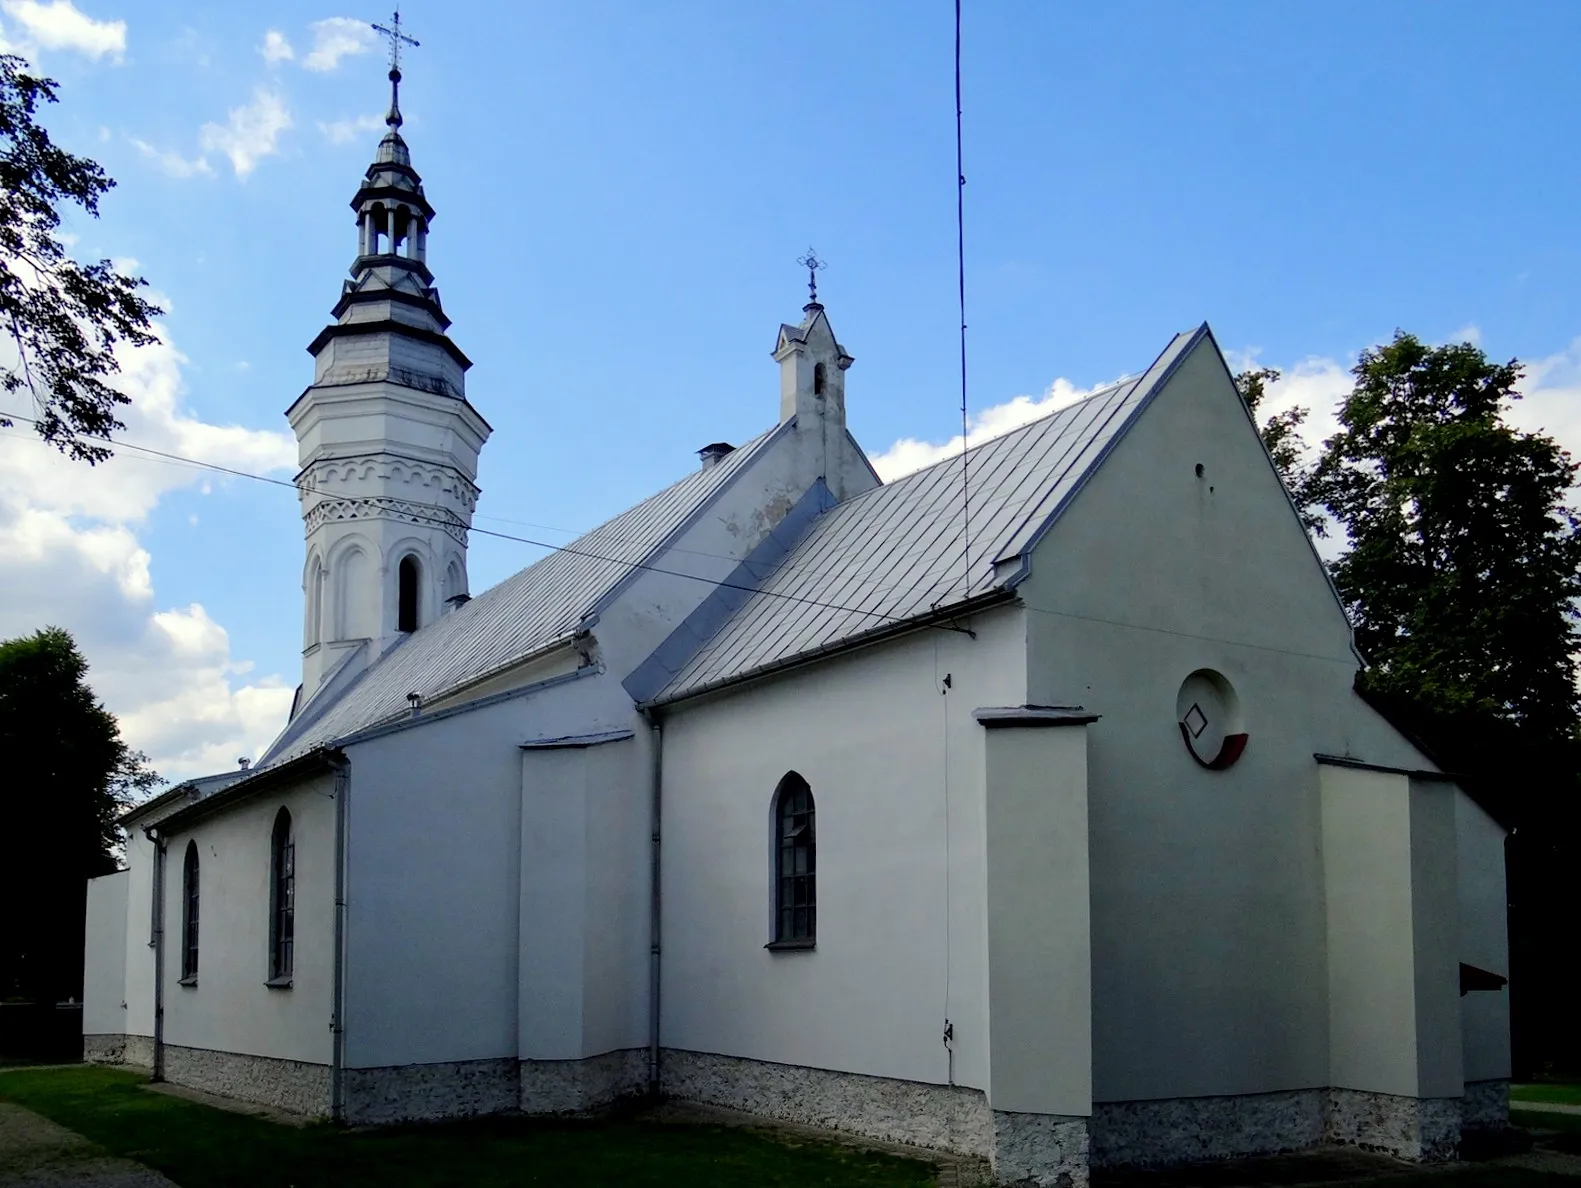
column 1042, row 824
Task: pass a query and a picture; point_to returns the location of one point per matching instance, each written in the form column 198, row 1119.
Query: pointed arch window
column 282, row 900
column 795, row 865
column 189, row 916
column 407, row 591
column 818, row 379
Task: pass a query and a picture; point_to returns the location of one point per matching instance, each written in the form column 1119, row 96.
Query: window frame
column 794, row 895
column 190, row 885
column 282, row 901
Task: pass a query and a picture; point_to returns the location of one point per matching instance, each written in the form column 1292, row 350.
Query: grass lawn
column 1568, row 1126
column 199, row 1146
column 1547, row 1091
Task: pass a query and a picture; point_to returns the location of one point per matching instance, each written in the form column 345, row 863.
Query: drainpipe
column 152, row 834
column 337, row 1019
column 657, row 785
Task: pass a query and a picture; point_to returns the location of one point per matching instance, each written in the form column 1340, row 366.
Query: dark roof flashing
column 997, row 717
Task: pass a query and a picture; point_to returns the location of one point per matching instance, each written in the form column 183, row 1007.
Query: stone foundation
column 1186, row 1129
column 104, row 1049
column 942, row 1117
column 1425, row 1129
column 291, row 1085
column 1485, row 1106
column 572, row 1086
column 1040, row 1150
column 139, row 1051
column 419, row 1092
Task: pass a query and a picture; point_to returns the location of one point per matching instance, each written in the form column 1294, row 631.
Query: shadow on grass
column 199, row 1146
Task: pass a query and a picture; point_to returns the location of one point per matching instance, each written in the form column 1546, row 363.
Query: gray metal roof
column 897, row 553
column 527, row 613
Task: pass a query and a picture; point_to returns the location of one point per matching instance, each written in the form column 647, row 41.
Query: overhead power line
column 439, row 521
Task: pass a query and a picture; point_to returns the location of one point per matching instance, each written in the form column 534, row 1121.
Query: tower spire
column 392, row 31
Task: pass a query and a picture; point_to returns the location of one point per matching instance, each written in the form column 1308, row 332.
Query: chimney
column 713, row 452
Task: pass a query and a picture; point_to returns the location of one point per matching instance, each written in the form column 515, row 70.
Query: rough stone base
column 291, row 1085
column 1187, row 1129
column 572, row 1086
column 416, row 1092
column 1426, row 1129
column 1040, row 1150
column 139, row 1051
column 104, row 1049
column 942, row 1117
column 1485, row 1106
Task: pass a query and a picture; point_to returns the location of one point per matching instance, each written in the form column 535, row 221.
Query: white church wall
column 1366, row 838
column 1483, row 940
column 584, row 904
column 104, row 956
column 139, row 948
column 1208, row 927
column 230, row 1009
column 433, row 930
column 890, row 757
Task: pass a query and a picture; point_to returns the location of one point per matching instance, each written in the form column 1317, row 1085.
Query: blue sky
column 623, row 190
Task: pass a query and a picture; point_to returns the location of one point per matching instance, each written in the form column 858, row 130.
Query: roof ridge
column 954, row 459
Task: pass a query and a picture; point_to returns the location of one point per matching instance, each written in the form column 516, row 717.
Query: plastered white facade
column 1047, row 930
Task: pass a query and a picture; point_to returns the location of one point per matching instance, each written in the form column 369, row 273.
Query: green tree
column 70, row 775
column 1281, row 433
column 64, row 318
column 1464, row 560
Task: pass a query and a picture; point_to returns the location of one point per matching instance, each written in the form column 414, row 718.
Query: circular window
column 1209, row 714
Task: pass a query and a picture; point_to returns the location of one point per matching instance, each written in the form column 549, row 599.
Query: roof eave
column 1000, row 596
column 316, row 761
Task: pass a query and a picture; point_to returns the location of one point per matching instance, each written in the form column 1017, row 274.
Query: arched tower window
column 817, row 379
column 407, row 591
column 282, row 899
column 315, row 601
column 795, row 863
column 189, row 915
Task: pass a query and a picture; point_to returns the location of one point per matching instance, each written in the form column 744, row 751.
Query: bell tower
column 387, row 440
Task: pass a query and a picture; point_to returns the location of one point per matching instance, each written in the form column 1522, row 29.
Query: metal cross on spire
column 393, row 32
column 812, row 264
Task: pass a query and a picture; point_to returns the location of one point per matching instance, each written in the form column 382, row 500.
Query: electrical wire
column 451, row 521
column 960, row 275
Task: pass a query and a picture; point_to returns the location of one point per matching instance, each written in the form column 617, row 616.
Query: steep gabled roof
column 529, row 613
column 897, row 554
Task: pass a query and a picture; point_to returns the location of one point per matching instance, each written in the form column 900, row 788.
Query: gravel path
column 36, row 1153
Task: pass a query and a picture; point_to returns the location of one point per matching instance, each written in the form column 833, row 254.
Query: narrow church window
column 406, row 615
column 795, row 866
column 282, row 899
column 189, row 916
column 817, row 379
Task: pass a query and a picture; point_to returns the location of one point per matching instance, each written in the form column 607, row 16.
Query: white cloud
column 909, row 454
column 174, row 163
column 336, row 38
column 349, row 129
column 251, row 131
column 276, row 48
column 60, row 25
column 71, row 556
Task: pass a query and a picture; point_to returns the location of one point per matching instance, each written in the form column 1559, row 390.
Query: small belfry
column 812, row 387
column 387, row 441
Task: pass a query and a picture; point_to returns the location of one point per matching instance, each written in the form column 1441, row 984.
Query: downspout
column 152, row 834
column 337, row 1019
column 654, row 916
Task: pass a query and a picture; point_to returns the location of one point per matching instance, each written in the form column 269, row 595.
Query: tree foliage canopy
column 1464, row 560
column 64, row 318
column 70, row 775
column 1281, row 433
